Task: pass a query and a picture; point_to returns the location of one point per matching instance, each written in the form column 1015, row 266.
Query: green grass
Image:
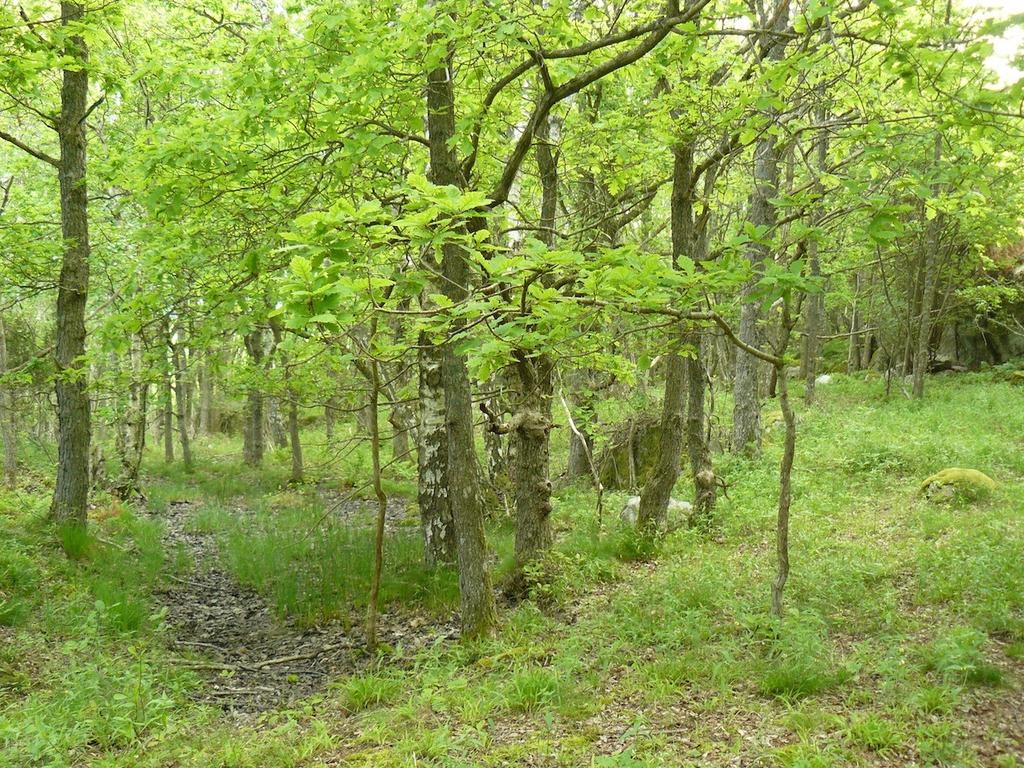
column 902, row 615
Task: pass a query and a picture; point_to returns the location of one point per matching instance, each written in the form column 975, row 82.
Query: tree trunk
column 578, row 467
column 8, row 427
column 439, row 545
column 652, row 517
column 477, row 607
column 278, row 433
column 329, row 418
column 71, row 490
column 815, row 301
column 531, row 466
column 931, row 257
column 854, row 353
column 252, row 449
column 293, row 428
column 786, row 464
column 177, row 360
column 478, row 610
column 205, row 396
column 373, row 408
column 496, row 448
column 138, row 395
column 168, row 413
column 399, row 421
column 746, row 430
column 705, row 484
column 532, row 434
column 785, row 495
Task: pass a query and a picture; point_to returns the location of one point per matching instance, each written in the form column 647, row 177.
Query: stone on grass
column 631, row 511
column 825, row 378
column 954, row 481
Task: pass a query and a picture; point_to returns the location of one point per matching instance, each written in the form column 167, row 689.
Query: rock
column 952, row 482
column 676, row 508
column 629, row 512
column 943, row 365
column 631, row 453
column 825, row 378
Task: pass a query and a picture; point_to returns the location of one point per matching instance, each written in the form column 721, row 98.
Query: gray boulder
column 676, row 509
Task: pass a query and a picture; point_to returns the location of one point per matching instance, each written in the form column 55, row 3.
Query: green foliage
column 316, row 568
column 877, row 733
column 74, row 540
column 958, row 655
column 369, row 689
column 798, row 660
column 532, row 689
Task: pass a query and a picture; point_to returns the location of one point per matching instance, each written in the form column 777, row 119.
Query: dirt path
column 251, row 660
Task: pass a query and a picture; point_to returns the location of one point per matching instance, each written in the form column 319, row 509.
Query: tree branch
column 26, row 148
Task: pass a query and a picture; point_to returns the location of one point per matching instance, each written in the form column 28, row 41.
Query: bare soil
column 251, row 660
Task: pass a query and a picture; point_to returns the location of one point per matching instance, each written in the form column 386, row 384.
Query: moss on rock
column 969, row 483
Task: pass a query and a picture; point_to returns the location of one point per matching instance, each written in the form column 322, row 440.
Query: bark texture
column 531, row 466
column 253, row 440
column 532, row 434
column 71, row 491
column 476, row 595
column 439, row 544
column 293, row 429
column 928, row 279
column 8, row 430
column 705, row 484
column 746, row 432
column 178, row 362
column 657, row 491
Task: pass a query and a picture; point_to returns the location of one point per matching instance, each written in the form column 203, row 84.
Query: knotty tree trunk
column 8, row 429
column 578, row 465
column 278, row 432
column 532, row 434
column 329, row 409
column 652, row 517
column 71, row 490
column 705, row 486
column 398, row 418
column 530, row 451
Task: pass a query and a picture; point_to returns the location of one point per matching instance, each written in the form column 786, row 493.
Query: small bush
column 74, row 540
column 959, row 656
column 121, row 610
column 875, row 733
column 532, row 689
column 798, row 660
column 372, row 689
column 936, row 699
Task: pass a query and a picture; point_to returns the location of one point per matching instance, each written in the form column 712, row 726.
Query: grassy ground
column 903, row 642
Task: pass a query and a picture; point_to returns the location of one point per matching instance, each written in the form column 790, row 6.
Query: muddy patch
column 251, row 660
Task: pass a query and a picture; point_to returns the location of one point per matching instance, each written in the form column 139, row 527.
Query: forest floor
column 222, row 624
